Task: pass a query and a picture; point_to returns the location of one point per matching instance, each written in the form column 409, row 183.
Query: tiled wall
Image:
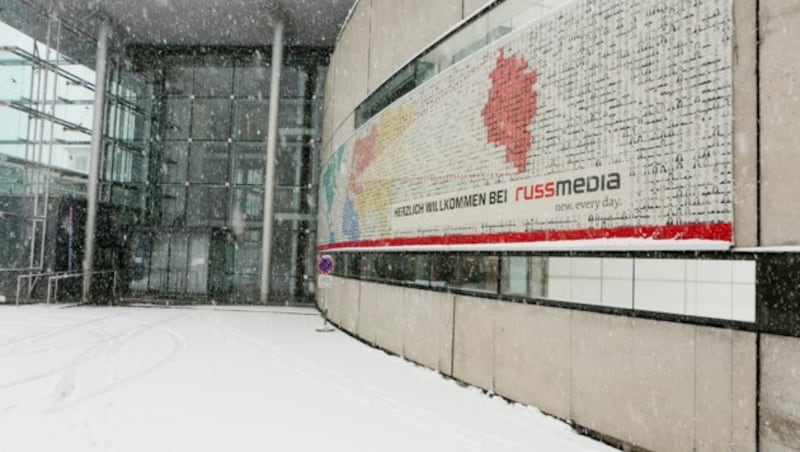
column 719, row 289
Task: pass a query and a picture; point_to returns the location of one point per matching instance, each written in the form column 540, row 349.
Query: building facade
column 186, row 123
column 583, row 206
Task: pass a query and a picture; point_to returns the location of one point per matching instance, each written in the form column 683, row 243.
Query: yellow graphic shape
column 373, row 203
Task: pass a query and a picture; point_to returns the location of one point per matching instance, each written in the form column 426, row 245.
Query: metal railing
column 52, row 282
column 33, row 279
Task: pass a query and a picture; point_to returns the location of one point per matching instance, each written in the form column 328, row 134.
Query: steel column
column 96, row 150
column 272, row 138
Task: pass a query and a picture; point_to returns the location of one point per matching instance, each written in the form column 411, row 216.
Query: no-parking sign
column 325, row 265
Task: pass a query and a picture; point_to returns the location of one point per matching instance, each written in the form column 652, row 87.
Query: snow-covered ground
column 247, row 379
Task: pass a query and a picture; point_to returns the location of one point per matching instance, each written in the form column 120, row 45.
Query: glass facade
column 203, row 236
column 46, row 106
column 182, row 167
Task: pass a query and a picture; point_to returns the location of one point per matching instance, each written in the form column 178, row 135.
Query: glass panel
column 211, row 120
column 157, row 280
column 474, row 273
column 524, row 276
column 177, row 125
column 160, row 257
column 282, row 287
column 442, row 269
column 208, row 163
column 515, row 276
column 179, row 82
column 213, row 81
column 178, row 255
column 319, row 87
column 245, row 285
column 353, row 265
column 206, row 205
column 291, row 200
column 249, row 165
column 250, row 120
column 283, row 256
column 173, row 199
column 289, row 165
column 252, row 82
column 197, row 280
column 291, row 114
column 173, row 163
column 179, row 251
column 139, row 263
column 293, row 82
column 247, row 257
column 400, row 267
column 248, row 204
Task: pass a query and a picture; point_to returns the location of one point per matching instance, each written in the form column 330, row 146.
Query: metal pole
column 19, row 287
column 94, row 162
column 50, row 141
column 272, row 138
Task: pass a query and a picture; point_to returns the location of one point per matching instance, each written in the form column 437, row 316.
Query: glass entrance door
column 179, row 263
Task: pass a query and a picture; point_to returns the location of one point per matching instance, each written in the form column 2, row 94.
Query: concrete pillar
column 272, row 138
column 94, row 160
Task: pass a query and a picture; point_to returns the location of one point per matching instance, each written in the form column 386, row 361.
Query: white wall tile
column 660, row 296
column 744, row 272
column 691, row 298
column 660, row 269
column 559, row 289
column 617, row 268
column 744, row 302
column 691, row 269
column 618, row 293
column 714, row 300
column 559, row 266
column 714, row 271
column 587, row 290
column 587, row 267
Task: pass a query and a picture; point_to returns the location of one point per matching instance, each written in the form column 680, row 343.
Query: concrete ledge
column 653, row 384
column 780, row 393
column 532, row 356
column 389, row 326
column 473, row 341
column 428, row 328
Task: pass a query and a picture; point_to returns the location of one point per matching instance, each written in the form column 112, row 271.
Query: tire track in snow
column 90, row 349
column 177, row 345
column 14, row 344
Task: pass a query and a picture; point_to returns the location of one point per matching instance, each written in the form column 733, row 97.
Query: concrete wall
column 780, row 113
column 659, row 385
column 380, row 37
column 745, row 136
column 780, row 393
column 472, row 6
column 399, row 32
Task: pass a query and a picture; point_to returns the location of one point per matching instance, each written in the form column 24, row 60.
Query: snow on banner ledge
column 603, row 122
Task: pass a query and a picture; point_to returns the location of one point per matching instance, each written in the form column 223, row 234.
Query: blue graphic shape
column 350, row 226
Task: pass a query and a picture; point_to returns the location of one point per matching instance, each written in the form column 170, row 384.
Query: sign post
column 325, row 266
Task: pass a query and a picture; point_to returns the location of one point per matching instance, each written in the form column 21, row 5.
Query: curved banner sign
column 602, row 124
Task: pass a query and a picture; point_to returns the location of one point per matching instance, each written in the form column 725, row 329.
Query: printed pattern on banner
column 605, row 119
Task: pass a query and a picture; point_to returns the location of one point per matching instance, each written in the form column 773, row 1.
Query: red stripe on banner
column 705, row 231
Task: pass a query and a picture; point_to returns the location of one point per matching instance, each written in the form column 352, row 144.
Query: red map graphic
column 363, row 155
column 510, row 109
